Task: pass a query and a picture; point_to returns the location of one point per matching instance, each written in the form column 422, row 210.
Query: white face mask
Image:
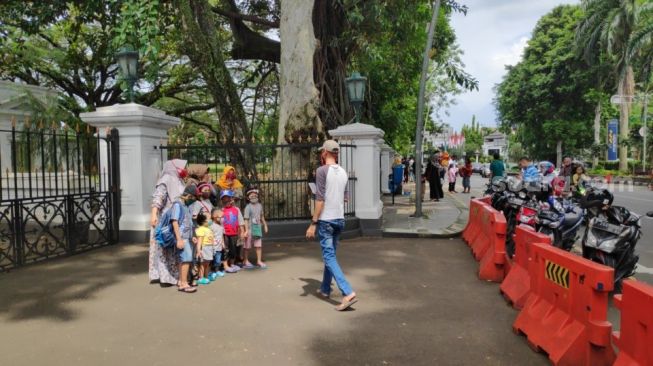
column 253, row 200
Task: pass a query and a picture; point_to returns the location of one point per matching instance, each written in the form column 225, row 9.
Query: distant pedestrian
column 329, row 220
column 433, row 176
column 451, row 176
column 466, row 173
column 497, row 168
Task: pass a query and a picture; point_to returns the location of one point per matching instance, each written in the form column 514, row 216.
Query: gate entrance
column 59, row 192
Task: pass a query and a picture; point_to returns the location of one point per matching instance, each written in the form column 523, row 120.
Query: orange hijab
column 225, row 183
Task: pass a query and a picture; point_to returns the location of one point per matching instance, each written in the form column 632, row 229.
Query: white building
column 439, row 139
column 495, row 143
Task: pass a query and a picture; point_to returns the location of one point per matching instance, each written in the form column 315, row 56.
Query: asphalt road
column 637, row 199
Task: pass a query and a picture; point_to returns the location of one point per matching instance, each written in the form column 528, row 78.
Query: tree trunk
column 559, row 153
column 300, row 98
column 299, row 104
column 202, row 46
column 626, row 87
column 597, row 131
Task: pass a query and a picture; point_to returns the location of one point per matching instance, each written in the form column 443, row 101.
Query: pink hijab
column 170, row 178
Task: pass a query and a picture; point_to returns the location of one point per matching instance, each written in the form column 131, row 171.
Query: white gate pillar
column 141, row 129
column 387, row 155
column 365, row 166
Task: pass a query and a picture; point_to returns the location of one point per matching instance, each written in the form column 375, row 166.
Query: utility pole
column 645, row 129
column 420, row 111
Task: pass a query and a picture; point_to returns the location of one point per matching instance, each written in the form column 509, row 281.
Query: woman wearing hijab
column 433, row 176
column 228, row 180
column 163, row 264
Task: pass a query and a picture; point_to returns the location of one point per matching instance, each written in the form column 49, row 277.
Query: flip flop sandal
column 248, row 266
column 187, row 290
column 346, row 305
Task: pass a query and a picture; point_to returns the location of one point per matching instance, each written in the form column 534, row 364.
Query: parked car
column 485, row 171
column 477, row 168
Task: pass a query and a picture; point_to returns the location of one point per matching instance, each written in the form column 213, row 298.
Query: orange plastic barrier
column 565, row 314
column 635, row 338
column 482, row 241
column 493, row 258
column 473, row 227
column 516, row 285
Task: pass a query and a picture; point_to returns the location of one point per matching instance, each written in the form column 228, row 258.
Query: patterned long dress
column 163, row 263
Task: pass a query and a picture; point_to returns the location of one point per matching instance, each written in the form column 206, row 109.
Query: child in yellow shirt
column 205, row 247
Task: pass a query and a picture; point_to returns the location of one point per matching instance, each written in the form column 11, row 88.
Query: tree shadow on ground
column 423, row 306
column 53, row 289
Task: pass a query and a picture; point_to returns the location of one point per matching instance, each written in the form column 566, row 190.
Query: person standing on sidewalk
column 329, row 220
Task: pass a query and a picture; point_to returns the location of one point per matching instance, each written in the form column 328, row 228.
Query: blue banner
column 613, row 137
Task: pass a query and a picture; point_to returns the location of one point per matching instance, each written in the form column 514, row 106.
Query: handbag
column 257, row 231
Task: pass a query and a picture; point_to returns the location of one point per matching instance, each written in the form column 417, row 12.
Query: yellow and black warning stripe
column 557, row 274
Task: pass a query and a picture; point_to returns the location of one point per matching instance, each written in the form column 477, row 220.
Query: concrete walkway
column 443, row 219
column 420, row 304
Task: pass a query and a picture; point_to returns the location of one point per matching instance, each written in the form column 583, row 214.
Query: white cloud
column 493, row 34
column 514, row 54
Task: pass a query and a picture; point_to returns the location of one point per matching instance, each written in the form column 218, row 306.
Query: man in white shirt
column 329, row 219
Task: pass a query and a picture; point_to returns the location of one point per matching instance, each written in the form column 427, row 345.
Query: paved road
column 420, row 304
column 640, row 200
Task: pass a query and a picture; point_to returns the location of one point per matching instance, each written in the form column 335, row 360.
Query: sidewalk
column 443, row 219
column 420, row 304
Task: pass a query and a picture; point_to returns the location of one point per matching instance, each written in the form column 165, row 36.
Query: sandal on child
column 203, row 281
column 262, row 265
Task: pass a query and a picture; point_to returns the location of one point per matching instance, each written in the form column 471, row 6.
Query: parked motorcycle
column 561, row 222
column 611, row 235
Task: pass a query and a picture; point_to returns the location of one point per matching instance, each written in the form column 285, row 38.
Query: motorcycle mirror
column 649, row 214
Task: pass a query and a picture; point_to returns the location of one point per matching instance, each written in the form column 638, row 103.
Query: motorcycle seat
column 572, row 218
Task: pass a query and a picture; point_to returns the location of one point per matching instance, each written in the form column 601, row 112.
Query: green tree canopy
column 544, row 95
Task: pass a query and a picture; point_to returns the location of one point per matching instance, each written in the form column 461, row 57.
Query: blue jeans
column 328, row 233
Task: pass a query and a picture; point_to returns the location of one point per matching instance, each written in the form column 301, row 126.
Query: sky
column 493, row 34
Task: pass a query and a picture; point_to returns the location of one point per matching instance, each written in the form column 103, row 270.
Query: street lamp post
column 128, row 60
column 356, row 92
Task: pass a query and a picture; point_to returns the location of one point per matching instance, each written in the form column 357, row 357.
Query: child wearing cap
column 256, row 226
column 234, row 226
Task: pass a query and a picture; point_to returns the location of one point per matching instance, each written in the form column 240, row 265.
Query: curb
column 451, row 231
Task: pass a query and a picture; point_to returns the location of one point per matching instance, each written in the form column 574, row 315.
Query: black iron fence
column 284, row 173
column 59, row 192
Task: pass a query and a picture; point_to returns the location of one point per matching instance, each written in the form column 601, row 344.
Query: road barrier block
column 517, row 284
column 473, row 227
column 635, row 338
column 565, row 314
column 491, row 265
column 483, row 240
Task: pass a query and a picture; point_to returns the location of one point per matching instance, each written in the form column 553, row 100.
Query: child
column 451, row 174
column 234, row 226
column 203, row 204
column 578, row 178
column 220, row 256
column 466, row 173
column 253, row 220
column 182, row 225
column 205, row 248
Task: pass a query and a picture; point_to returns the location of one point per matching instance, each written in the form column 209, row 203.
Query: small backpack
column 164, row 233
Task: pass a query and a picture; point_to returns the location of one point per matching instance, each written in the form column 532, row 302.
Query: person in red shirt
column 466, row 173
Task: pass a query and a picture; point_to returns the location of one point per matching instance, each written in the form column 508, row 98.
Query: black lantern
column 128, row 60
column 356, row 92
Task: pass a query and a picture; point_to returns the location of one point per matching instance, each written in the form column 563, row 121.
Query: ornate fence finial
column 13, row 122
